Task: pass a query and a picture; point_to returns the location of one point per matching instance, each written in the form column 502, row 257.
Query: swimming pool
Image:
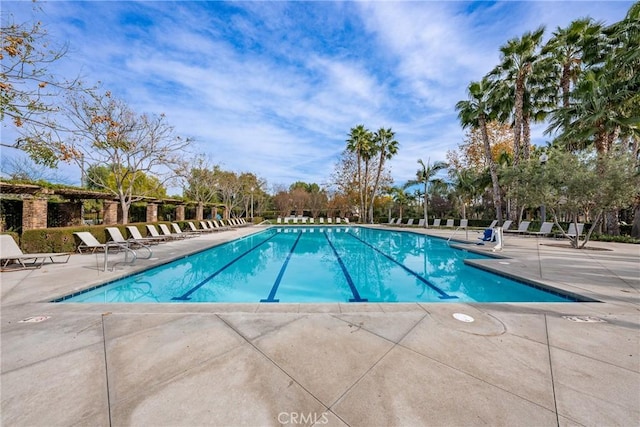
column 321, row 264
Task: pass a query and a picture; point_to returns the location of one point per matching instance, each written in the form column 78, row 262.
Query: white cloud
column 274, row 87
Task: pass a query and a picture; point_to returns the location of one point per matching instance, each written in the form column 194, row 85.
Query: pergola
column 35, row 205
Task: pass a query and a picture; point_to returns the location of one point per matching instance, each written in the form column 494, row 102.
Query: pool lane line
column 274, row 288
column 185, row 296
column 354, row 291
column 443, row 294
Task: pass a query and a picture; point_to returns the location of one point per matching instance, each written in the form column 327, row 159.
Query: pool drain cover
column 584, row 319
column 463, row 317
column 35, row 319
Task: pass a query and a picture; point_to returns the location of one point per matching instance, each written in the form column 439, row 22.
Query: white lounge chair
column 312, row 221
column 116, row 236
column 338, row 220
column 329, row 220
column 506, row 225
column 522, row 228
column 392, row 221
column 178, row 231
column 220, row 225
column 571, row 232
column 321, row 220
column 545, row 229
column 436, row 222
column 89, row 242
column 136, row 235
column 153, row 232
column 346, row 220
column 410, row 222
column 164, row 231
column 205, row 227
column 493, row 223
column 464, row 223
column 10, row 251
column 449, row 223
column 421, row 222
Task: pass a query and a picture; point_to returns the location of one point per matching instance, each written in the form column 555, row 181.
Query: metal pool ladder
column 463, row 224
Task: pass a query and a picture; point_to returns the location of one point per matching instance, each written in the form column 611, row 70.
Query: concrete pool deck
column 363, row 364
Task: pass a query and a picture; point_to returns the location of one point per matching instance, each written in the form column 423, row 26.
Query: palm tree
column 475, row 112
column 519, row 56
column 387, row 147
column 566, row 48
column 359, row 142
column 425, row 176
column 401, row 198
column 467, row 185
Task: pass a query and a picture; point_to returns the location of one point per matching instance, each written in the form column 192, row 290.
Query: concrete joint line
column 377, row 362
column 476, row 377
column 106, row 367
column 553, row 381
column 256, row 348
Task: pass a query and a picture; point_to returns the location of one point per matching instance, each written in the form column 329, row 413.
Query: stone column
column 110, row 212
column 152, row 212
column 199, row 212
column 34, row 213
column 180, row 213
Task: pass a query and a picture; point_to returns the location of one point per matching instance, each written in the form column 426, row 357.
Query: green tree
column 387, row 147
column 100, row 177
column 360, row 143
column 476, row 112
column 566, row 48
column 518, row 59
column 426, row 176
column 200, row 181
column 575, row 184
column 400, row 198
column 228, row 188
column 467, row 186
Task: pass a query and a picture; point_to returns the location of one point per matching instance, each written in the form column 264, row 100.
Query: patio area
column 358, row 364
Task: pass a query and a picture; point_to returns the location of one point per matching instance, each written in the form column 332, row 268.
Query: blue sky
column 274, row 87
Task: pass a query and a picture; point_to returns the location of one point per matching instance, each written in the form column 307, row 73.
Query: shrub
column 618, row 239
column 61, row 239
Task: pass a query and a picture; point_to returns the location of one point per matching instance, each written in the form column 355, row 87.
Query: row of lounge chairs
column 154, row 235
column 304, row 220
column 437, row 222
column 546, row 228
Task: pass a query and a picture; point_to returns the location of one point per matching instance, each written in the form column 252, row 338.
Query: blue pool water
column 321, row 264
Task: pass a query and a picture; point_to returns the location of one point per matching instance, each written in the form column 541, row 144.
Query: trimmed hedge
column 62, row 239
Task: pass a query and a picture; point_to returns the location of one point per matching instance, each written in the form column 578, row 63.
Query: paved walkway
column 328, row 364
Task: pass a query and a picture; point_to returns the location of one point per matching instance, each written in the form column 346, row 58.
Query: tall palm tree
column 566, row 48
column 359, row 142
column 425, row 175
column 519, row 56
column 387, row 147
column 475, row 112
